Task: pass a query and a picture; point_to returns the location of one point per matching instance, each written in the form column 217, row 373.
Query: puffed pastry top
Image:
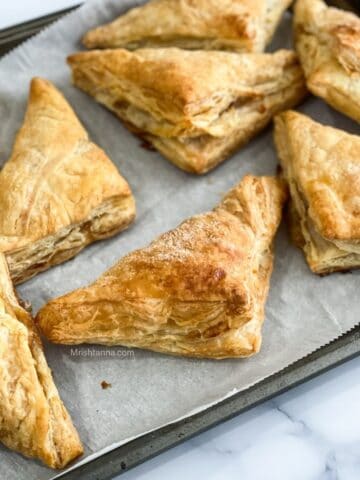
column 58, row 190
column 198, row 290
column 195, row 107
column 321, row 165
column 239, row 25
column 328, row 43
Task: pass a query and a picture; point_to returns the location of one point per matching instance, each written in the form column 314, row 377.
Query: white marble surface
column 310, row 433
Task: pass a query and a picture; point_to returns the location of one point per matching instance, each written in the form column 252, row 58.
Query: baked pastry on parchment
column 322, row 167
column 33, row 419
column 241, row 25
column 58, row 191
column 196, row 108
column 198, row 290
column 328, row 43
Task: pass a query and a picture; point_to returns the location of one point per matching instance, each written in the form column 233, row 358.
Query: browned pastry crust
column 33, row 419
column 328, row 43
column 321, row 165
column 239, row 25
column 58, row 191
column 198, row 290
column 195, row 107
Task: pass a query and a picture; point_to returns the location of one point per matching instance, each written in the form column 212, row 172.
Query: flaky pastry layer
column 202, row 106
column 323, row 256
column 328, row 43
column 321, row 166
column 58, row 191
column 240, row 25
column 33, row 419
column 198, row 290
column 105, row 221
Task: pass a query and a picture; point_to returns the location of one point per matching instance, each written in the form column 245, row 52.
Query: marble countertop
column 309, row 433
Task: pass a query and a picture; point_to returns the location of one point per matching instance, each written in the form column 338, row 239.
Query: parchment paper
column 149, row 390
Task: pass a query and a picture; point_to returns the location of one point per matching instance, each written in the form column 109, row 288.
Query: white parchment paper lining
column 150, row 390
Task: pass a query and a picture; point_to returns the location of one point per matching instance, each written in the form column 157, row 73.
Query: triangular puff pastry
column 58, row 191
column 241, row 25
column 33, row 419
column 198, row 290
column 328, row 43
column 322, row 165
column 195, row 107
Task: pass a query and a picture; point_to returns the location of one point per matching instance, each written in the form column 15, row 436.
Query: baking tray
column 147, row 446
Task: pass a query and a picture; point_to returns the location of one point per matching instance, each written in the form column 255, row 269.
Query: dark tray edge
column 147, row 446
column 12, row 36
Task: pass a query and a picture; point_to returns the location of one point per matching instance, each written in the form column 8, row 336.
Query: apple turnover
column 241, row 25
column 196, row 108
column 33, row 419
column 328, row 43
column 58, row 191
column 198, row 290
column 322, row 166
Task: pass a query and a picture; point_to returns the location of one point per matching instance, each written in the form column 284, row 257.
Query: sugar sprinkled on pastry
column 198, row 290
column 322, row 167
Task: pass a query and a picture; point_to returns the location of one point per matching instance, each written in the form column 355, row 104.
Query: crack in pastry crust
column 33, row 419
column 238, row 25
column 198, row 290
column 58, row 191
column 204, row 104
column 321, row 166
column 328, row 43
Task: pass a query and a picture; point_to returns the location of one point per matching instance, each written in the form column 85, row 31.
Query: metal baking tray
column 143, row 448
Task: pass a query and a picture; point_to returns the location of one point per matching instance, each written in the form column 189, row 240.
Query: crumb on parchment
column 105, row 385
